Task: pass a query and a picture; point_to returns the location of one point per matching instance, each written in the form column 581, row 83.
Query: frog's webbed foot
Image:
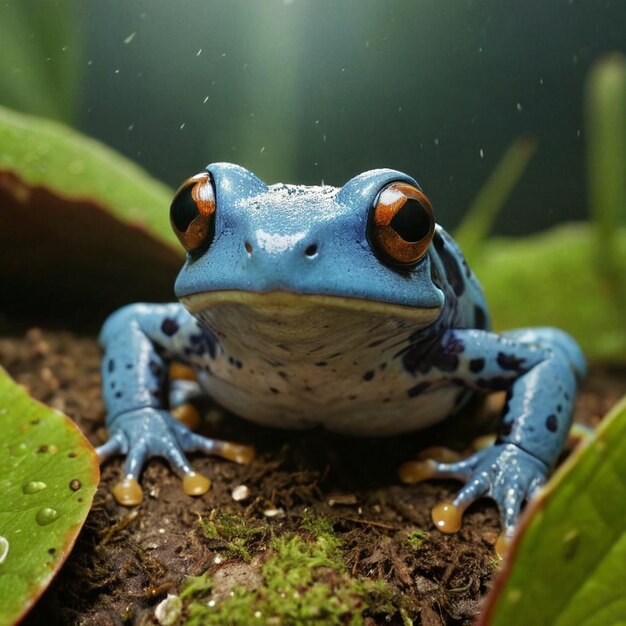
column 503, row 472
column 147, row 432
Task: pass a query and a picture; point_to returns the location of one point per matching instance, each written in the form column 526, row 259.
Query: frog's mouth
column 301, row 323
column 285, row 305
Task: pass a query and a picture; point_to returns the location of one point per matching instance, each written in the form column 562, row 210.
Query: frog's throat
column 283, row 304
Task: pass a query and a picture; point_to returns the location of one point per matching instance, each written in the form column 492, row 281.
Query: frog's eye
column 192, row 212
column 401, row 224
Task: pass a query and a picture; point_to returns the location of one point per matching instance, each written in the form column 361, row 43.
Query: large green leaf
column 567, row 565
column 48, row 477
column 78, row 220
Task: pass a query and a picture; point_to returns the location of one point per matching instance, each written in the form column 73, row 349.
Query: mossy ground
column 303, row 579
column 353, row 543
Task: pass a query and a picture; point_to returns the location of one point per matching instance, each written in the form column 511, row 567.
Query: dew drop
column 34, row 486
column 46, row 516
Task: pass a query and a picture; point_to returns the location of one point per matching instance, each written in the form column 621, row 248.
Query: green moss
column 233, row 533
column 304, row 582
column 416, row 539
column 317, row 525
column 196, row 585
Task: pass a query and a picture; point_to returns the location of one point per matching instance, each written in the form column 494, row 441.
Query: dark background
column 320, row 90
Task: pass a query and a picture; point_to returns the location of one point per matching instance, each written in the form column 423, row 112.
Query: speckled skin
column 293, row 336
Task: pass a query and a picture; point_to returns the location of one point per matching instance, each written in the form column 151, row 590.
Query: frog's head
column 362, row 248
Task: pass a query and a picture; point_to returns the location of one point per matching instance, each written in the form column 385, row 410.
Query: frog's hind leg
column 539, row 369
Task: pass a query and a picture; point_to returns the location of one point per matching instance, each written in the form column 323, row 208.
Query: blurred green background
column 320, row 90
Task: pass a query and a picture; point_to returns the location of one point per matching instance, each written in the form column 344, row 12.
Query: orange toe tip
column 178, row 371
column 416, row 471
column 195, row 484
column 238, row 453
column 439, row 453
column 187, row 414
column 502, row 545
column 447, row 517
column 128, row 492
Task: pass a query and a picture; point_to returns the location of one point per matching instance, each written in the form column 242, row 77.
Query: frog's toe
column 236, row 452
column 426, row 469
column 116, row 445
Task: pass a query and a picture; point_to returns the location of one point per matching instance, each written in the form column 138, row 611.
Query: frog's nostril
column 311, row 250
column 249, row 247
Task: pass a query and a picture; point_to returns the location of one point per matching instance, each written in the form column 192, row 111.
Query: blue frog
column 348, row 308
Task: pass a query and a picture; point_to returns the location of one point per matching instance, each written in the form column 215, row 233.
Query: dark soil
column 127, row 560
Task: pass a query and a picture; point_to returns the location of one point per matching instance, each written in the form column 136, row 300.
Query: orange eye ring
column 402, row 224
column 192, row 211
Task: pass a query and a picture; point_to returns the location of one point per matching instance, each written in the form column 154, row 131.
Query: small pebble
column 274, row 513
column 168, row 611
column 241, row 492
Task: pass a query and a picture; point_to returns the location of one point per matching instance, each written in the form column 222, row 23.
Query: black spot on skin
column 438, row 241
column 510, row 362
column 497, row 383
column 476, row 365
column 118, row 394
column 452, row 269
column 375, row 343
column 129, row 366
column 417, row 389
column 467, row 268
column 353, row 397
column 321, row 364
column 566, row 396
column 368, row 375
column 386, row 400
column 111, row 366
column 447, row 359
column 552, row 423
column 238, row 364
column 559, row 408
column 169, row 326
column 428, row 351
column 283, row 375
column 334, row 356
column 203, row 342
column 480, row 317
column 383, row 366
column 112, row 385
column 274, row 390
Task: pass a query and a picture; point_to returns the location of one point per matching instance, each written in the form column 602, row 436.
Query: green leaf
column 78, row 220
column 567, row 565
column 48, row 477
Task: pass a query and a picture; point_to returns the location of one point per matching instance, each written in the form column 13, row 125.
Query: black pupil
column 183, row 210
column 412, row 221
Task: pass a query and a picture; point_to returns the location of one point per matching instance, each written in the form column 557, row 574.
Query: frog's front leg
column 140, row 341
column 539, row 369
